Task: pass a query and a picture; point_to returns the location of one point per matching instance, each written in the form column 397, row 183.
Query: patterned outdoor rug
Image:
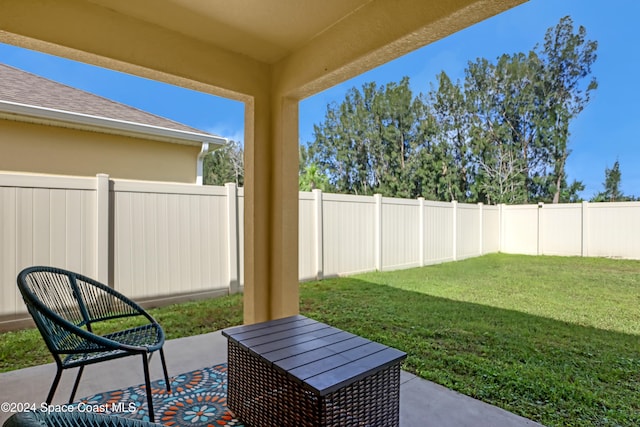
column 197, row 399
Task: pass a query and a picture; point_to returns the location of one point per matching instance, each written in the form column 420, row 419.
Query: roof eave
column 49, row 116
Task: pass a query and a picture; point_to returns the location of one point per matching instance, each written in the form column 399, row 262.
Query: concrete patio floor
column 422, row 403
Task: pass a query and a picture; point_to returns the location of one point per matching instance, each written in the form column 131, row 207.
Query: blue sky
column 606, row 130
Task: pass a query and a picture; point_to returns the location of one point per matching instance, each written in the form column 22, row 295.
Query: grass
column 556, row 340
column 553, row 339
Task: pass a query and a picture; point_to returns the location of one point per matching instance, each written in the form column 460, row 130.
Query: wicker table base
column 297, row 376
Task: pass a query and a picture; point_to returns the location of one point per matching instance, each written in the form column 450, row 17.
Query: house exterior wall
column 36, row 148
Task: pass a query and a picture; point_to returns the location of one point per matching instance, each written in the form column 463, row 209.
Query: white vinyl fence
column 150, row 240
column 159, row 241
column 341, row 234
column 577, row 229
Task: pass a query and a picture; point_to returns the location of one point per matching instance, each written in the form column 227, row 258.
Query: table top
column 321, row 357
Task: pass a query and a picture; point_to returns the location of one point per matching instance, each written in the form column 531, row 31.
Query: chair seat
column 147, row 338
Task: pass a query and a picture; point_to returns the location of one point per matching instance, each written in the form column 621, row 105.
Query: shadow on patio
column 422, row 403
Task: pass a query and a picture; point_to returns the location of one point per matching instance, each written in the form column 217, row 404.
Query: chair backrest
column 60, row 300
column 45, row 288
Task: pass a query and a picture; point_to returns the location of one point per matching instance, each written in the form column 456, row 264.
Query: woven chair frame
column 66, row 306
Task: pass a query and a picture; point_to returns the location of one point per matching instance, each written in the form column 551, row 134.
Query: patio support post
column 271, row 208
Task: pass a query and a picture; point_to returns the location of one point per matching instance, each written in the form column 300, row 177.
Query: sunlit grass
column 598, row 292
column 556, row 340
column 553, row 339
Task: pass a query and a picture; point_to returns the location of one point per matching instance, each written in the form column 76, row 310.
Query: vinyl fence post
column 233, row 234
column 454, row 204
column 378, row 224
column 480, row 229
column 584, row 244
column 540, row 247
column 500, row 227
column 104, row 260
column 319, row 233
column 421, row 228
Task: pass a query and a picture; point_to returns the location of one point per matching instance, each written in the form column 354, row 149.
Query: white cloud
column 227, row 131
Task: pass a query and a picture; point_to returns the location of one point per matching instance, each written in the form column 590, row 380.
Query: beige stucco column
column 271, row 208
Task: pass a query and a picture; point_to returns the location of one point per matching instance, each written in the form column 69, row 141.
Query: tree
column 339, row 145
column 310, row 177
column 567, row 58
column 452, row 152
column 501, row 137
column 426, row 165
column 570, row 192
column 226, row 164
column 394, row 117
column 521, row 107
column 612, row 182
column 501, row 133
column 365, row 143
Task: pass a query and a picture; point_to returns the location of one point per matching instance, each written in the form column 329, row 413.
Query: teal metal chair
column 72, row 419
column 67, row 307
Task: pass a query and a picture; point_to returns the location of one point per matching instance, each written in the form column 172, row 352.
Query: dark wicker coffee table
column 296, row 371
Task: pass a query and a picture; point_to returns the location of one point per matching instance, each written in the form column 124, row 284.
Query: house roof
column 28, row 97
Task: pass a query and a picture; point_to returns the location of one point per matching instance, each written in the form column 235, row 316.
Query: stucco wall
column 26, row 147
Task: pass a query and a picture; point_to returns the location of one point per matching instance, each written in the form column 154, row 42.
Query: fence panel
column 468, row 232
column 490, row 229
column 520, row 229
column 561, row 229
column 438, row 232
column 348, row 236
column 44, row 221
column 400, row 242
column 169, row 238
column 613, row 230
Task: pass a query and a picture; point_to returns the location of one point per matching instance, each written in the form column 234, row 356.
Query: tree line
column 499, row 136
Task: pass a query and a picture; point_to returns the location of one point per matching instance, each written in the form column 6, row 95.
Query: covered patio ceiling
column 269, row 54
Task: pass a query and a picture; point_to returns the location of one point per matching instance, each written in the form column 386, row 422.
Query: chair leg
column 147, row 383
column 75, row 384
column 54, row 386
column 164, row 369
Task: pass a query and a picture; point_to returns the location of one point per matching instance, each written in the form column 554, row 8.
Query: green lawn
column 553, row 339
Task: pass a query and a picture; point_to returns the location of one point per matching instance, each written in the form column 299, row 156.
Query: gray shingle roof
column 26, row 88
